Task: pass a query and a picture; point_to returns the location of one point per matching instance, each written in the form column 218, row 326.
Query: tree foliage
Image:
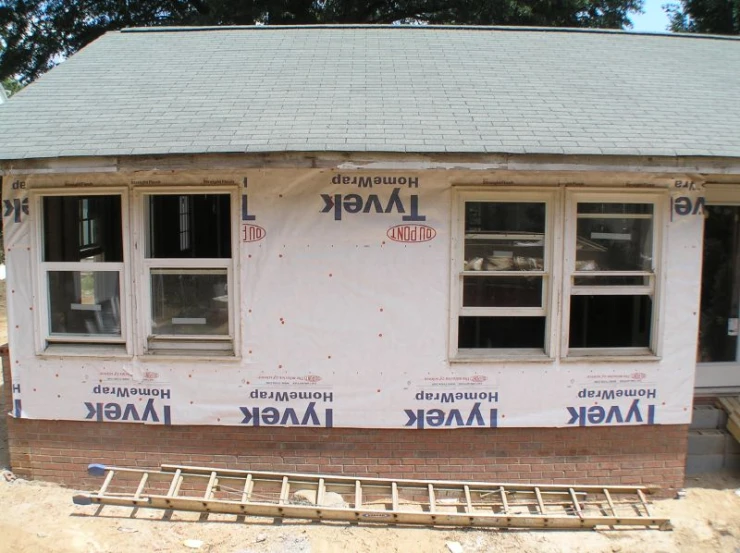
column 36, row 34
column 716, row 17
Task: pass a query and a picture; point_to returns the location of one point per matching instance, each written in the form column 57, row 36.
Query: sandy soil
column 37, row 517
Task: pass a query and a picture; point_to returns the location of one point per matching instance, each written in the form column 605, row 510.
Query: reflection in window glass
column 84, row 302
column 614, row 237
column 504, row 236
column 480, row 291
column 720, row 287
column 190, row 226
column 501, row 332
column 82, row 228
column 610, row 321
column 190, row 302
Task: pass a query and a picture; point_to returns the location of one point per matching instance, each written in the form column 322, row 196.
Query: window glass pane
column 610, row 321
column 501, row 332
column 82, row 228
column 190, row 302
column 720, row 289
column 614, row 237
column 84, row 302
column 504, row 236
column 189, row 226
column 503, row 291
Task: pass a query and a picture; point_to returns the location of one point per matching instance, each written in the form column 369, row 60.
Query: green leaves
column 717, row 17
column 37, row 34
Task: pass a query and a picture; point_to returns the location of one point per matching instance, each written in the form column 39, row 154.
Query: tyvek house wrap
column 344, row 321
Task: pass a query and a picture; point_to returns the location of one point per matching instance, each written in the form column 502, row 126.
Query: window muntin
column 612, row 281
column 505, row 274
column 189, row 266
column 82, row 268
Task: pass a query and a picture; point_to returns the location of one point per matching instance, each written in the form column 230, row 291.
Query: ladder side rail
column 438, row 484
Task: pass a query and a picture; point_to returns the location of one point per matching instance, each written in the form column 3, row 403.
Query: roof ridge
column 503, row 28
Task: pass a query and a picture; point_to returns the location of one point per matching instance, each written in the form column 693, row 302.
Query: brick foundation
column 60, row 451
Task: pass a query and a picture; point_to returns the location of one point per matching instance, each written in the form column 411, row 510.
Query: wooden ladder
column 373, row 500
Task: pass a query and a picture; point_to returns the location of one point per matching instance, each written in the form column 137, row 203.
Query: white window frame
column 206, row 345
column 550, row 274
column 46, row 342
column 655, row 276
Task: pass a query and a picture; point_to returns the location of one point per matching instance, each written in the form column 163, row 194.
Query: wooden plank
column 644, row 503
column 432, row 500
column 468, row 501
column 394, row 495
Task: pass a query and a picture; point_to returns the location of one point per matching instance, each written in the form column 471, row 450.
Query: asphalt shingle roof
column 382, row 89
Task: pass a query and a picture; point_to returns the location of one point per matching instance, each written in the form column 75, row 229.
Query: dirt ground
column 37, row 517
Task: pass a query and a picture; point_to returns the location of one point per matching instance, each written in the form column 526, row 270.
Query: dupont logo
column 411, row 233
column 312, row 378
column 252, row 233
column 478, row 378
column 638, row 376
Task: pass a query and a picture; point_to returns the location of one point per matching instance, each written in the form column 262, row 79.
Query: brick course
column 60, row 451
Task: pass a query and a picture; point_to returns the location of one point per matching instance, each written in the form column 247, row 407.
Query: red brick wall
column 60, row 451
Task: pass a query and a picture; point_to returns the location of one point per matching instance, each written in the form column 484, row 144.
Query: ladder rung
column 358, row 495
column 432, row 499
column 142, row 483
column 540, row 503
column 248, row 486
column 175, row 485
column 284, row 491
column 210, row 486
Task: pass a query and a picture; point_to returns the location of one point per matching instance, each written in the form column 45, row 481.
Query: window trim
column 659, row 200
column 552, row 270
column 193, row 346
column 45, row 342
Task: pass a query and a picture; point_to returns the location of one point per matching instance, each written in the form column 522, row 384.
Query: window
column 504, row 272
column 515, row 251
column 611, row 280
column 82, row 263
column 189, row 272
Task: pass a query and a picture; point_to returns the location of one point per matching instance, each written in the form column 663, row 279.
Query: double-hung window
column 189, row 272
column 612, row 252
column 82, row 269
column 502, row 279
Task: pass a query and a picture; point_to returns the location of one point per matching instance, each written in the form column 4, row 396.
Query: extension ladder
column 376, row 500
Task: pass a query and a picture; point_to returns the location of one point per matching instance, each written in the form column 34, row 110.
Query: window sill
column 611, row 356
column 190, row 355
column 501, row 356
column 86, row 350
